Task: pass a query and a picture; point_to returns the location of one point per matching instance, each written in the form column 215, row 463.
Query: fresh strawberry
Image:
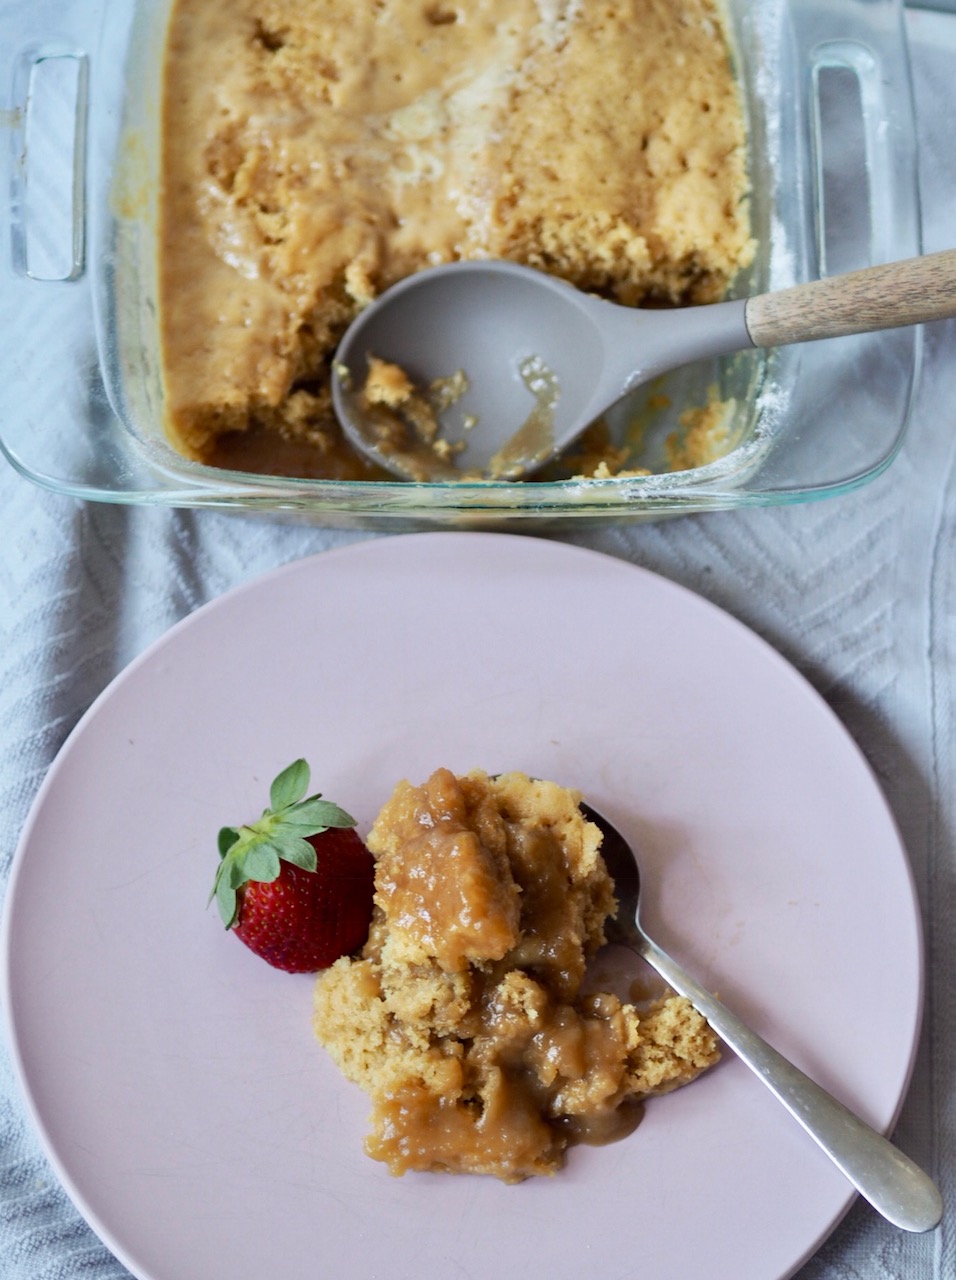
column 297, row 885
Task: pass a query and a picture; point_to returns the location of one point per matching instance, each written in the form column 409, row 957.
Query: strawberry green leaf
column 290, row 786
column 260, row 862
column 318, row 814
column 294, row 849
column 226, row 900
column 227, row 838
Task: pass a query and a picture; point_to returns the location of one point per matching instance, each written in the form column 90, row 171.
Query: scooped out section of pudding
column 465, row 1017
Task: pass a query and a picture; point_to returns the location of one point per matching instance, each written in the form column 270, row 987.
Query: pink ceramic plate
column 173, row 1076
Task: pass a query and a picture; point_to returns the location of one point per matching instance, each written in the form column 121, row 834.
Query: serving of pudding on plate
column 468, row 1017
column 314, row 153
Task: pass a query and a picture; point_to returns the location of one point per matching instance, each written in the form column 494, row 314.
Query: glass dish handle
column 47, row 124
column 853, row 159
column 56, row 425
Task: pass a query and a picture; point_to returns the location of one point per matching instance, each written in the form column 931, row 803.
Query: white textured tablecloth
column 858, row 592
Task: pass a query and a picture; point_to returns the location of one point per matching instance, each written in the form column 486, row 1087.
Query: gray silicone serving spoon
column 543, row 360
column 883, row 1175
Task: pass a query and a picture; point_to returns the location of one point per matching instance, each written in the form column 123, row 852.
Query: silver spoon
column 543, row 360
column 888, row 1179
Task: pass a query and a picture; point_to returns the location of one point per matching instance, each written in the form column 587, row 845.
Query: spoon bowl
column 892, row 1183
column 483, row 319
column 542, row 360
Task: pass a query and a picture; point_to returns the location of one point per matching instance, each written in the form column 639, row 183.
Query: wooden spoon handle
column 884, row 297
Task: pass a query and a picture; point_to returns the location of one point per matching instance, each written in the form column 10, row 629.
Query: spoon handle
column 885, row 297
column 888, row 1179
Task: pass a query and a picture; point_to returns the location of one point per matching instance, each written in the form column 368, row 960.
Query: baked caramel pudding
column 467, row 1017
column 316, row 152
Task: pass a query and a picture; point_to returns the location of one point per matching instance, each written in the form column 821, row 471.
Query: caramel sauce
column 534, row 439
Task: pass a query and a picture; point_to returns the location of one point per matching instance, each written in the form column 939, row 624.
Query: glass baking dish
column 832, row 156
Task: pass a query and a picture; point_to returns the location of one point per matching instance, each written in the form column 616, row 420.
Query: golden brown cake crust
column 317, row 151
column 465, row 1017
